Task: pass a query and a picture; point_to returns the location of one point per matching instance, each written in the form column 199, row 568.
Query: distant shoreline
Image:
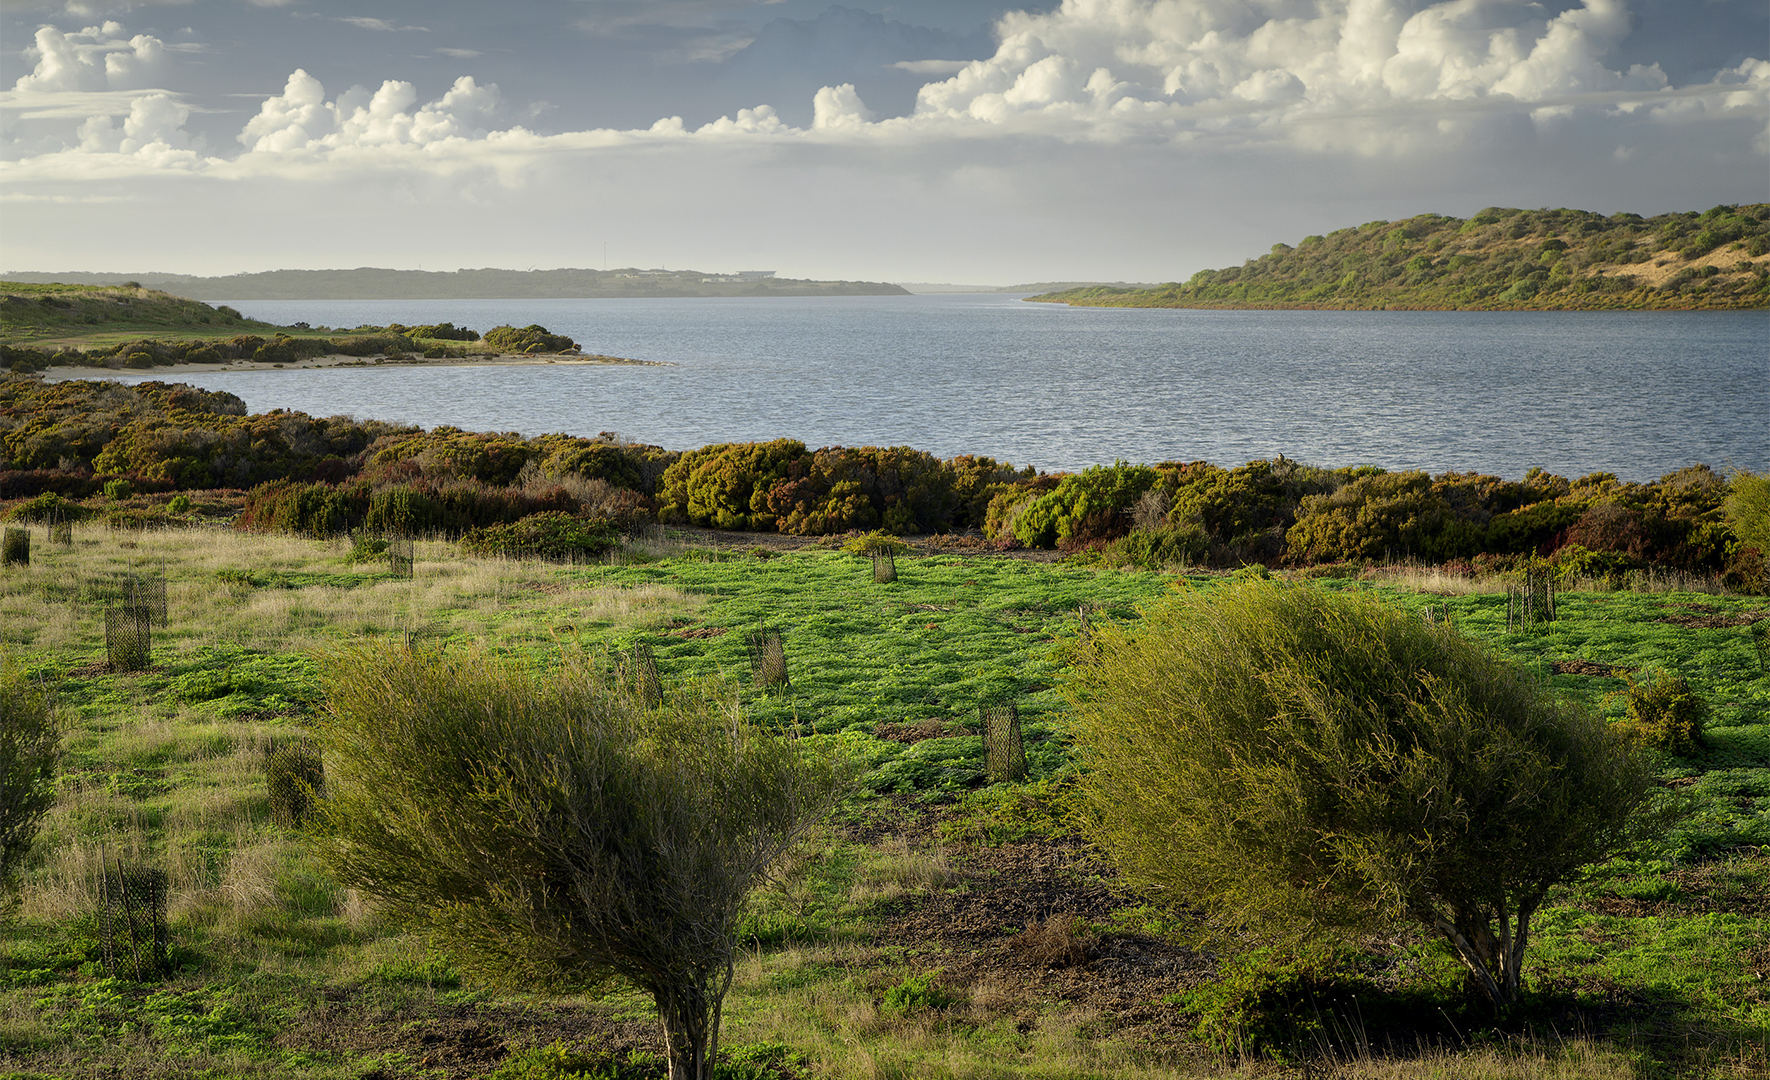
column 65, row 374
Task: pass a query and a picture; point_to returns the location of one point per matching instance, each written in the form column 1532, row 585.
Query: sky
column 961, row 141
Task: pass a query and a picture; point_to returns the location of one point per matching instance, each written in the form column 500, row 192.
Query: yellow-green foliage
column 1748, row 509
column 1666, row 712
column 1285, row 756
column 532, row 338
column 552, row 831
column 1499, row 259
column 29, row 748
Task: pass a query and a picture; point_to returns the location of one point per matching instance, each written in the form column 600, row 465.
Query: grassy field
column 941, row 926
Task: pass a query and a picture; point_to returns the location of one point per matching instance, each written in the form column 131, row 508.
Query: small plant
column 295, row 777
column 1004, row 748
column 916, row 993
column 365, row 549
column 128, row 637
column 132, row 922
column 179, row 504
column 877, row 542
column 768, row 659
column 1666, row 712
column 118, row 490
column 1270, row 1001
column 15, row 548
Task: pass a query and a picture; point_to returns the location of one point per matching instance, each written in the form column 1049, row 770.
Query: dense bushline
column 1498, row 259
column 322, row 476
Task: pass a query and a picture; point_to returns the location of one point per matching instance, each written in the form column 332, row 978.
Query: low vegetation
column 127, row 326
column 939, row 924
column 1500, row 259
column 67, row 442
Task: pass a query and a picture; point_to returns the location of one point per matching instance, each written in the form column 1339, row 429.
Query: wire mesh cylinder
column 148, row 592
column 294, row 778
column 768, row 658
column 400, row 559
column 884, row 567
column 128, row 637
column 1004, row 749
column 61, row 533
column 15, row 548
column 639, row 674
column 132, row 922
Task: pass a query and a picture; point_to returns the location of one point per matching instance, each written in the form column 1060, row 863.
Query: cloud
column 1369, row 76
column 837, row 108
column 153, row 132
column 103, row 57
column 458, row 54
column 930, row 68
column 301, row 119
column 364, row 22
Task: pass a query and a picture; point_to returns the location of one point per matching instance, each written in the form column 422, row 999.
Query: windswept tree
column 553, row 832
column 29, row 748
column 1290, row 758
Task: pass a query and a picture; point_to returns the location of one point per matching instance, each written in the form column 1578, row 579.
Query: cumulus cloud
column 839, row 107
column 103, row 57
column 301, row 119
column 1158, row 66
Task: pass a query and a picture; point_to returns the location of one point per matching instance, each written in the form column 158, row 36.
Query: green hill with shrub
column 1500, row 259
column 43, row 326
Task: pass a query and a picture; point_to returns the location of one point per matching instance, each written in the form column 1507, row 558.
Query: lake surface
column 1633, row 393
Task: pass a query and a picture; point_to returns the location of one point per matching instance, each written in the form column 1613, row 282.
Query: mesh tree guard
column 15, row 548
column 1532, row 602
column 768, row 658
column 1760, row 632
column 61, row 533
column 148, row 591
column 884, row 567
column 1004, row 750
column 400, row 558
column 295, row 778
column 132, row 922
column 128, row 637
column 1085, row 623
column 639, row 675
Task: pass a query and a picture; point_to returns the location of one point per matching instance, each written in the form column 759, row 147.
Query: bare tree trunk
column 686, row 1017
column 690, row 1011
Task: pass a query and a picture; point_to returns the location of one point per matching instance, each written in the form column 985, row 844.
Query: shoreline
column 338, row 360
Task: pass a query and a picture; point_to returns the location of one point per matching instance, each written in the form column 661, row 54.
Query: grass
column 1652, row 967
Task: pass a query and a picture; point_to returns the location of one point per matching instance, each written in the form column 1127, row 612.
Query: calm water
column 1637, row 394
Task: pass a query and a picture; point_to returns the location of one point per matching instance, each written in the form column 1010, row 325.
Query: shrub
column 532, row 338
column 548, row 535
column 876, row 542
column 1160, row 548
column 1290, row 759
column 1666, row 713
column 118, row 490
column 178, row 504
column 1101, row 496
column 1748, row 508
column 726, row 485
column 551, row 832
column 30, row 745
column 48, row 507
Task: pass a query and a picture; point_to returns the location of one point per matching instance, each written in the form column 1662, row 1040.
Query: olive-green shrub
column 1666, row 712
column 551, row 832
column 1291, row 758
column 30, row 746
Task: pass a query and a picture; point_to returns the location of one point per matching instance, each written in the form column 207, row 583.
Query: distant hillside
column 1537, row 260
column 31, row 312
column 369, row 283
